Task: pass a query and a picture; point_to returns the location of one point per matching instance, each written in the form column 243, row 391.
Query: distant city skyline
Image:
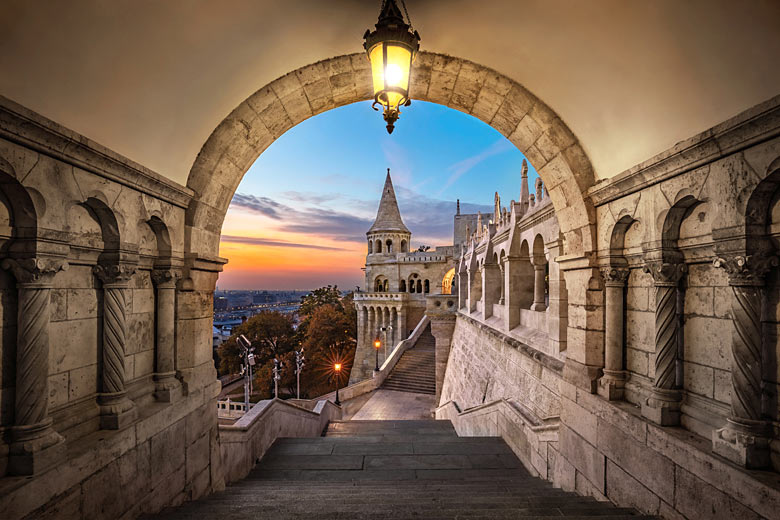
column 298, row 219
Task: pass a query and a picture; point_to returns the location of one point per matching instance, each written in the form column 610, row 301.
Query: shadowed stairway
column 416, row 370
column 392, row 470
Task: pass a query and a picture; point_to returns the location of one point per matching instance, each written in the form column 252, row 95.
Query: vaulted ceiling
column 152, row 79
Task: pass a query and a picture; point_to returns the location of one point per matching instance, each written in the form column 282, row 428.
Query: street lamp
column 377, row 346
column 391, row 49
column 299, row 363
column 246, row 367
column 277, row 376
column 337, row 368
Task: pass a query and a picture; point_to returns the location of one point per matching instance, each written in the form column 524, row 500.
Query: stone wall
column 107, row 385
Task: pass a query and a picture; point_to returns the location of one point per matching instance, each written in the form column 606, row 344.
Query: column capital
column 746, row 270
column 166, row 277
column 115, row 274
column 615, row 276
column 665, row 273
column 35, row 271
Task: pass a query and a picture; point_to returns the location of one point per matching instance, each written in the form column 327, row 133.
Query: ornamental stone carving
column 746, row 269
column 38, row 270
column 165, row 277
column 615, row 275
column 665, row 273
column 115, row 274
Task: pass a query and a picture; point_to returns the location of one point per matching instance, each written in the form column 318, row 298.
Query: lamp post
column 277, row 376
column 299, row 363
column 391, row 49
column 377, row 346
column 246, row 367
column 337, row 368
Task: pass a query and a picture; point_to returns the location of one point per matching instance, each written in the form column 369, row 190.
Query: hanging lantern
column 391, row 49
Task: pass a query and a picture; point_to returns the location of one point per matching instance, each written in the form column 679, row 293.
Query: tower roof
column 388, row 217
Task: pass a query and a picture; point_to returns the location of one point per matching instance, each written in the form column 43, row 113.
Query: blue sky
column 299, row 217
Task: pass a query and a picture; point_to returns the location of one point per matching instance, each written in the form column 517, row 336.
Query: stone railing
column 528, row 435
column 439, row 304
column 382, row 296
column 243, row 443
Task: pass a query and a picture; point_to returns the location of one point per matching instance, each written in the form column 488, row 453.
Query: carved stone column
column 501, row 298
column 442, row 328
column 34, row 443
column 539, row 272
column 472, row 292
column 613, row 381
column 116, row 409
column 663, row 405
column 491, row 282
column 166, row 387
column 745, row 438
column 513, row 296
column 403, row 333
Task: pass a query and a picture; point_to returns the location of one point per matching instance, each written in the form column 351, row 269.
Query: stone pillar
column 463, row 289
column 472, row 290
column 393, row 332
column 663, row 405
column 512, row 294
column 34, row 443
column 557, row 304
column 745, row 438
column 540, row 265
column 613, row 381
column 361, row 326
column 491, row 288
column 501, row 298
column 166, row 387
column 442, row 328
column 116, row 409
column 402, row 325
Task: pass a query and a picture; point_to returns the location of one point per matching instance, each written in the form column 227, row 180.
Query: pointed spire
column 524, row 192
column 458, row 208
column 390, row 13
column 496, row 208
column 388, row 217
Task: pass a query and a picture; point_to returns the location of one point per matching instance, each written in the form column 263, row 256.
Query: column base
column 116, row 411
column 167, row 388
column 743, row 442
column 611, row 385
column 662, row 407
column 34, row 448
column 539, row 307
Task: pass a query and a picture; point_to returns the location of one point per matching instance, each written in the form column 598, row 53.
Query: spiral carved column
column 34, row 443
column 745, row 438
column 116, row 409
column 166, row 387
column 663, row 405
column 613, row 381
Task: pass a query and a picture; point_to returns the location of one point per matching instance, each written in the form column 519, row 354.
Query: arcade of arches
column 633, row 322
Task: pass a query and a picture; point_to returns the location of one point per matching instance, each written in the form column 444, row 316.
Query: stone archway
column 460, row 84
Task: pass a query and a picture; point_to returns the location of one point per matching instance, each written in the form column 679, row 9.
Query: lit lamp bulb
column 377, row 344
column 337, row 366
column 391, row 49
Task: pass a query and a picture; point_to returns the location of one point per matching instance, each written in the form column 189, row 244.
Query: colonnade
column 34, row 443
column 384, row 322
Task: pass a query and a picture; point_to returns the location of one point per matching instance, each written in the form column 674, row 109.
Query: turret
column 388, row 234
column 524, row 192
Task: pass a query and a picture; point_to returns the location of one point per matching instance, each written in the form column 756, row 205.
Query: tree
column 271, row 333
column 329, row 295
column 329, row 340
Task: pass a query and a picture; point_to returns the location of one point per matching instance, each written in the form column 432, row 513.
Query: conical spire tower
column 388, row 217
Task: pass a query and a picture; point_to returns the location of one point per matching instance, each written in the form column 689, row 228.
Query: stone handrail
column 244, row 442
column 369, row 385
column 521, row 428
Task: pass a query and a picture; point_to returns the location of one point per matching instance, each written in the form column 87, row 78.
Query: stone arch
column 404, row 246
column 497, row 100
column 389, row 245
column 377, row 246
column 447, row 281
column 22, row 216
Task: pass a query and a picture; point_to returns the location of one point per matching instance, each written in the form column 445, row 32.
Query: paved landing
column 382, row 470
column 393, row 405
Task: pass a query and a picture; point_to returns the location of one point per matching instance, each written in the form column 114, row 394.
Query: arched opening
column 389, row 246
column 378, row 246
column 404, row 246
column 427, row 286
column 447, row 282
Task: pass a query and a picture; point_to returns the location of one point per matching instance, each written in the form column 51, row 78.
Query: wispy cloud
column 261, row 205
column 460, row 168
column 256, row 241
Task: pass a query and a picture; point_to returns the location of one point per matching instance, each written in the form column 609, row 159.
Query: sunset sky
column 299, row 217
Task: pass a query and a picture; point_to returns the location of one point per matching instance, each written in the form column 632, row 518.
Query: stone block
column 440, row 89
column 58, row 304
column 580, row 420
column 72, row 344
column 583, row 456
column 698, row 379
column 626, row 491
column 585, row 487
column 64, row 507
column 722, row 386
column 640, row 330
column 722, row 302
column 167, row 451
column 708, row 341
column 102, row 497
column 654, row 471
column 82, row 382
column 699, row 301
column 58, row 390
column 694, row 498
column 143, row 364
column 275, row 118
column 197, row 456
column 487, row 104
column 143, row 300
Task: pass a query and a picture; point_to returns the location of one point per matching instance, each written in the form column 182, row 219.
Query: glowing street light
column 337, row 368
column 377, row 346
column 391, row 49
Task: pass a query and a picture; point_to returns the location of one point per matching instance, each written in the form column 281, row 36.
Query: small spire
column 458, row 207
column 524, row 192
column 388, row 217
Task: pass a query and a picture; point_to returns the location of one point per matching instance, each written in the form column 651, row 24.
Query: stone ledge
column 26, row 128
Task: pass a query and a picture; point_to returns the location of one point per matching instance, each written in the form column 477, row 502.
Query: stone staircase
column 416, row 370
column 392, row 470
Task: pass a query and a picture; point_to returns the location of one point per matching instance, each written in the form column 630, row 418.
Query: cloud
column 260, row 205
column 460, row 168
column 256, row 241
column 309, row 197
